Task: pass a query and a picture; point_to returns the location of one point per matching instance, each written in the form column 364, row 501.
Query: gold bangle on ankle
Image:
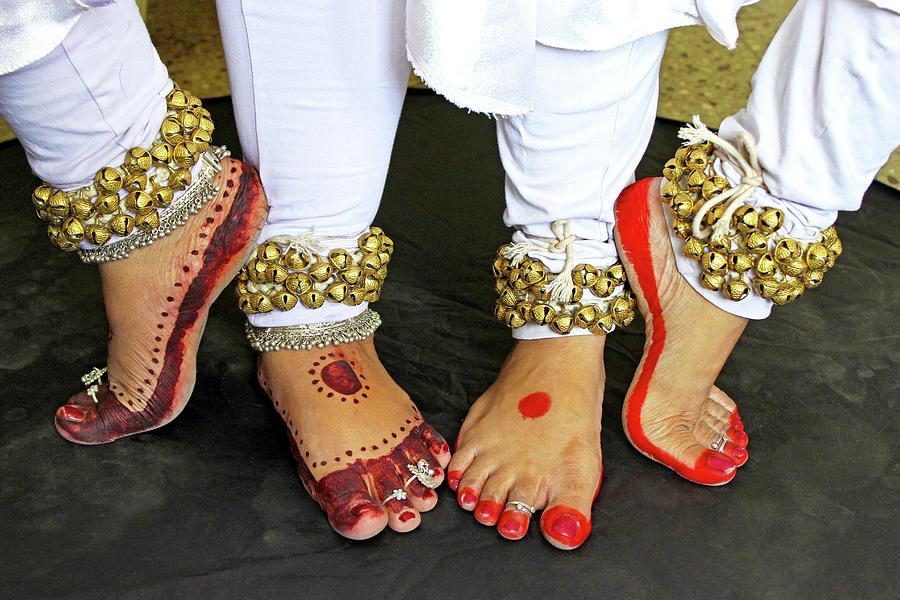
column 594, row 299
column 130, row 206
column 315, row 335
column 287, row 271
column 741, row 249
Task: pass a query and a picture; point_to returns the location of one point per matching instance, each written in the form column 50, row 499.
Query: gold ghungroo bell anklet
column 130, row 206
column 741, row 249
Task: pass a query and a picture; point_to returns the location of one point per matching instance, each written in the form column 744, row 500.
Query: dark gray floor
column 211, row 506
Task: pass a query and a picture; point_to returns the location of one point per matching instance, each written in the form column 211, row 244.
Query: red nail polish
column 487, row 511
column 72, row 413
column 739, row 455
column 513, row 525
column 735, row 421
column 468, row 496
column 565, row 526
column 738, row 437
column 406, row 515
column 720, row 463
column 361, row 509
column 445, row 448
column 453, row 478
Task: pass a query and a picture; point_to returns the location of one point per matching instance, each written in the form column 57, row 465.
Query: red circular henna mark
column 534, row 405
column 340, row 377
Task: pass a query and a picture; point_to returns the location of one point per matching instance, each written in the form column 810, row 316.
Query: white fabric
column 480, row 54
column 317, row 90
column 571, row 156
column 99, row 93
column 824, row 116
column 30, row 29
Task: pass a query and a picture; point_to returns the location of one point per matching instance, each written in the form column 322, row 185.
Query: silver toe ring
column 521, row 507
column 423, row 473
column 719, row 444
column 395, row 495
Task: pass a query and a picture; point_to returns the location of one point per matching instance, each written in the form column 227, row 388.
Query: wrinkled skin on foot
column 534, row 437
column 157, row 301
column 353, row 433
column 673, row 413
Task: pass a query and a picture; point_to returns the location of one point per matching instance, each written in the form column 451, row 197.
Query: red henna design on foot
column 633, row 234
column 228, row 238
column 340, row 377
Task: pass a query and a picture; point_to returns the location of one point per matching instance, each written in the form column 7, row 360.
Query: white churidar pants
column 318, row 88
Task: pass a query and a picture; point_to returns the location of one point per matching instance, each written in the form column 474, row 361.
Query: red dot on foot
column 534, row 405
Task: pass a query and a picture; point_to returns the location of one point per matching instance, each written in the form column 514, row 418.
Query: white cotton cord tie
column 560, row 289
column 306, row 242
column 743, row 158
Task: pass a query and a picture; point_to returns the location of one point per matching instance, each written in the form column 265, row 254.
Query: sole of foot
column 362, row 449
column 157, row 301
column 532, row 442
column 673, row 412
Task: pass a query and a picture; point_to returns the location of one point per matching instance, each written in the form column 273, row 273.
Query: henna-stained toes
column 673, row 413
column 157, row 301
column 363, row 451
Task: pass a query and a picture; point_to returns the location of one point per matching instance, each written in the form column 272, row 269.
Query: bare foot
column 354, row 433
column 534, row 437
column 157, row 301
column 673, row 413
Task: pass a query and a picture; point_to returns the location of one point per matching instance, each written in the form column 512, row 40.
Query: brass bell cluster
column 279, row 276
column 752, row 253
column 523, row 296
column 127, row 198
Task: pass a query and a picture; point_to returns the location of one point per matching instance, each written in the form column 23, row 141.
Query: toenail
column 738, row 437
column 720, row 463
column 406, row 515
column 565, row 526
column 72, row 413
column 739, row 454
column 361, row 509
column 487, row 510
column 468, row 496
column 453, row 478
column 512, row 526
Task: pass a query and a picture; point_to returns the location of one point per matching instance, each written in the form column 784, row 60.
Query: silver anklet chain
column 189, row 203
column 314, row 335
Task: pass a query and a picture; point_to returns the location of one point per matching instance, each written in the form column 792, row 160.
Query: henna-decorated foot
column 673, row 413
column 157, row 301
column 354, row 433
column 534, row 437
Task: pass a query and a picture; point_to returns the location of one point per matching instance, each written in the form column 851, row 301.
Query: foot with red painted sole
column 673, row 412
column 534, row 437
column 157, row 301
column 354, row 434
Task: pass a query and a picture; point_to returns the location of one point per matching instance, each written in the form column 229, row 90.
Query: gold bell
column 106, row 204
column 58, row 205
column 162, row 196
column 816, row 256
column 170, row 130
column 714, row 186
column 295, row 260
column 320, row 271
column 40, row 195
column 351, row 274
column 370, row 261
column 696, row 159
column 714, row 262
column 276, row 273
column 336, row 292
column 756, row 242
column 682, row 206
column 670, row 189
column 73, row 229
column 340, row 258
column 713, row 281
column 82, row 208
column 788, row 291
column 765, row 265
column 121, row 225
column 673, row 170
column 147, row 219
column 695, row 180
column 786, row 250
column 508, row 297
column 180, row 179
column 513, row 319
column 604, row 324
column 765, row 286
column 162, row 152
column 368, row 242
column 542, row 313
column 138, row 201
column 693, row 248
column 735, row 290
column 604, row 287
column 622, row 311
column 370, row 282
column 794, row 267
column 740, row 262
column 714, row 214
column 813, row 278
column 187, row 119
column 770, row 220
column 745, row 219
column 268, row 252
column 501, row 266
column 256, row 270
column 262, row 303
column 97, row 234
column 682, row 229
column 584, row 275
column 617, row 273
column 587, row 316
column 534, row 272
column 176, row 99
column 355, row 296
column 108, row 180
column 138, row 160
column 184, row 154
column 312, row 298
column 284, row 301
column 563, row 323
